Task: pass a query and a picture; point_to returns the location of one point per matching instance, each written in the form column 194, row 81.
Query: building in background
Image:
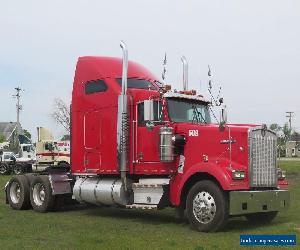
column 10, row 130
column 15, row 139
column 293, row 146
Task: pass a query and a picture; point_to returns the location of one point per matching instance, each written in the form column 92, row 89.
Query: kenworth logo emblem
column 193, row 132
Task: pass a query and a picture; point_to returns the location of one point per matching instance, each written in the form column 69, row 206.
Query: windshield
column 188, row 111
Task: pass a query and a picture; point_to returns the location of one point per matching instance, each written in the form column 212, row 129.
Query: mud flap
column 5, row 189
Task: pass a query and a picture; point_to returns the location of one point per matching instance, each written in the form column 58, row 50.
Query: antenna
column 217, row 100
column 209, row 71
column 163, row 75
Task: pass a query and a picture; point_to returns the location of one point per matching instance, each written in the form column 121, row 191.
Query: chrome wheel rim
column 17, row 170
column 38, row 194
column 15, row 192
column 204, row 207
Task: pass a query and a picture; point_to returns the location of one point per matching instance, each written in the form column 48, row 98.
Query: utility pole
column 289, row 115
column 18, row 105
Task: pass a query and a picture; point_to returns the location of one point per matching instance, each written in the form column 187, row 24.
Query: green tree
column 275, row 127
column 286, row 132
column 27, row 133
column 2, row 138
column 283, row 135
column 66, row 138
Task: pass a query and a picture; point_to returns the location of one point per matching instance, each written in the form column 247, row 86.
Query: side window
column 95, row 86
column 6, row 157
column 141, row 121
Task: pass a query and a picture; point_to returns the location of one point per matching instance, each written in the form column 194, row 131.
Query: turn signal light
column 238, row 174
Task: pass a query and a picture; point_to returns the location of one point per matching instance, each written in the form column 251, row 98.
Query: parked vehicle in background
column 27, row 151
column 9, row 163
column 47, row 153
column 50, row 152
column 138, row 145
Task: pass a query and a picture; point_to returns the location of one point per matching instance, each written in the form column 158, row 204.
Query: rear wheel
column 41, row 197
column 18, row 169
column 4, row 169
column 18, row 193
column 30, row 177
column 261, row 218
column 207, row 207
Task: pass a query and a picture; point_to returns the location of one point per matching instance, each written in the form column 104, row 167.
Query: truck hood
column 207, row 140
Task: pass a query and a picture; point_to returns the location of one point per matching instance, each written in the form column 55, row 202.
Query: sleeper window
column 95, row 87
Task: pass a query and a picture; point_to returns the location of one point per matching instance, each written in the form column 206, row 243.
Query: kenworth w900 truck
column 137, row 144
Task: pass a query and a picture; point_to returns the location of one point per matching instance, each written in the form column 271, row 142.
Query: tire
column 18, row 169
column 4, row 169
column 206, row 195
column 261, row 218
column 41, row 197
column 30, row 177
column 18, row 193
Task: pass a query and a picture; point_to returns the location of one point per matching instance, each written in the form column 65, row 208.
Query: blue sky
column 252, row 46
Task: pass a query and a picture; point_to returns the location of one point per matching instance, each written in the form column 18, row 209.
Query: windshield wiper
column 197, row 115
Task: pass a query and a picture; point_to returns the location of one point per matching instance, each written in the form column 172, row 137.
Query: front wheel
column 207, row 207
column 261, row 218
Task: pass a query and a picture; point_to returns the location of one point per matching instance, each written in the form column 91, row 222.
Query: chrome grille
column 262, row 158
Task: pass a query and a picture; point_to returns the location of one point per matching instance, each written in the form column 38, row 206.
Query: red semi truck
column 138, row 145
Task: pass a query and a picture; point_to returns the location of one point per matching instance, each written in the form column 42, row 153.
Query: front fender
column 216, row 171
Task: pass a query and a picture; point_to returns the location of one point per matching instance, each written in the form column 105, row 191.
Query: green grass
column 112, row 228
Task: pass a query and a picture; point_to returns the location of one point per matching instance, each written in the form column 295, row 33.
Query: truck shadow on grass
column 241, row 224
column 150, row 217
column 236, row 224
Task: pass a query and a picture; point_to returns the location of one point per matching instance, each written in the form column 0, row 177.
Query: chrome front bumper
column 246, row 202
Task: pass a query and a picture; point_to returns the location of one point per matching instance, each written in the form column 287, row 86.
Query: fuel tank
column 100, row 191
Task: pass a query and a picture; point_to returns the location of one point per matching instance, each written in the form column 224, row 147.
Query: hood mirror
column 223, row 118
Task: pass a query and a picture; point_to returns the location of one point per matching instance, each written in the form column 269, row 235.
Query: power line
column 290, row 115
column 18, row 105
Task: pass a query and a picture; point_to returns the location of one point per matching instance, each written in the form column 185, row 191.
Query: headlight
column 280, row 174
column 238, row 174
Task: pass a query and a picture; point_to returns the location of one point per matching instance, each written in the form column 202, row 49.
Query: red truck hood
column 209, row 140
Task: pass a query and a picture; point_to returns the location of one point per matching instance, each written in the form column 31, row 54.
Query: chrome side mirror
column 223, row 117
column 148, row 110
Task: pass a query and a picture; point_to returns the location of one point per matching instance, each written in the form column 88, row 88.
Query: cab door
column 148, row 134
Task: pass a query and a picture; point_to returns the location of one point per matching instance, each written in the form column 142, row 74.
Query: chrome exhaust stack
column 125, row 68
column 185, row 73
column 123, row 120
